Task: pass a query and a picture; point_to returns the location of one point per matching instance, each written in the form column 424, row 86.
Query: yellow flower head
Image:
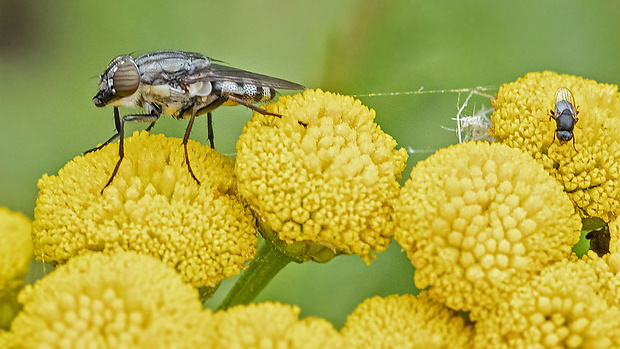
column 591, row 174
column 322, row 174
column 153, row 207
column 122, row 300
column 476, row 219
column 15, row 250
column 561, row 308
column 271, row 325
column 406, row 322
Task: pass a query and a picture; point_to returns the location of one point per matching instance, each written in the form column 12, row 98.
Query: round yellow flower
column 153, row 207
column 558, row 309
column 591, row 174
column 477, row 219
column 271, row 325
column 406, row 322
column 15, row 250
column 322, row 174
column 122, row 300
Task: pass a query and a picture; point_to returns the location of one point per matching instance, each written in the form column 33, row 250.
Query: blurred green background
column 51, row 54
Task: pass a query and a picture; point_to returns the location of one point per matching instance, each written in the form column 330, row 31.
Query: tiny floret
column 589, row 170
column 323, row 174
column 406, row 322
column 153, row 207
column 478, row 219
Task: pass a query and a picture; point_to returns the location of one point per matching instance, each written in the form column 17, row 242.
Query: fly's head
column 121, row 79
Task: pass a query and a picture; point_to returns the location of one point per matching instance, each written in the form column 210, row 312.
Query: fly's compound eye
column 126, row 79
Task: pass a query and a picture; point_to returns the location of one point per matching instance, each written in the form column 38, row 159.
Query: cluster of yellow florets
column 271, row 325
column 478, row 219
column 590, row 172
column 153, row 206
column 323, row 173
column 121, row 300
column 565, row 306
column 406, row 322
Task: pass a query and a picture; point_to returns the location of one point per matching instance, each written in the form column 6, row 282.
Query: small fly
column 565, row 116
column 180, row 84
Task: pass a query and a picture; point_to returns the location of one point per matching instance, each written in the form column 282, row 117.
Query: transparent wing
column 564, row 94
column 217, row 72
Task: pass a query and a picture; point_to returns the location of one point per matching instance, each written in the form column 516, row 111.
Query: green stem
column 269, row 260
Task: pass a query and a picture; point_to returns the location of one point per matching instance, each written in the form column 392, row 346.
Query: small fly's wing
column 564, row 94
column 217, row 72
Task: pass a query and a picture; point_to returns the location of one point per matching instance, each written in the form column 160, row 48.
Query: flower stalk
column 269, row 260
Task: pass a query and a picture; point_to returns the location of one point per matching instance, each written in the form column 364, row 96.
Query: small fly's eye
column 126, row 79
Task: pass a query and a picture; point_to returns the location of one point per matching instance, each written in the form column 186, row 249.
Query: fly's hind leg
column 257, row 109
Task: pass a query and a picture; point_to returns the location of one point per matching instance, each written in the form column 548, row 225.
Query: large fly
column 180, row 84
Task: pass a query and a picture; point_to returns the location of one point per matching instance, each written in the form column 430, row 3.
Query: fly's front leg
column 120, row 127
column 117, row 123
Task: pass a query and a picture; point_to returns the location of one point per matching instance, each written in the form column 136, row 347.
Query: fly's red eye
column 126, row 79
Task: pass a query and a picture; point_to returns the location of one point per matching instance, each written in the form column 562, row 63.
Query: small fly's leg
column 120, row 128
column 574, row 145
column 185, row 139
column 117, row 124
column 148, row 129
column 553, row 141
column 257, row 109
column 210, row 129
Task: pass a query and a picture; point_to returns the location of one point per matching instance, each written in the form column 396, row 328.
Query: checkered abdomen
column 249, row 92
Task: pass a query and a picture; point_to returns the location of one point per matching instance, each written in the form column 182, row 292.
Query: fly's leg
column 103, row 144
column 148, row 129
column 185, row 139
column 574, row 145
column 210, row 129
column 255, row 108
column 120, row 128
column 117, row 122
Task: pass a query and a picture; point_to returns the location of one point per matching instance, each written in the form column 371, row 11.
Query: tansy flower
column 122, row 300
column 322, row 176
column 271, row 325
column 153, row 206
column 15, row 251
column 561, row 308
column 406, row 322
column 591, row 174
column 477, row 219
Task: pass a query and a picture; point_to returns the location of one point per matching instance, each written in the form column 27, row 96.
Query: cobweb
column 469, row 124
